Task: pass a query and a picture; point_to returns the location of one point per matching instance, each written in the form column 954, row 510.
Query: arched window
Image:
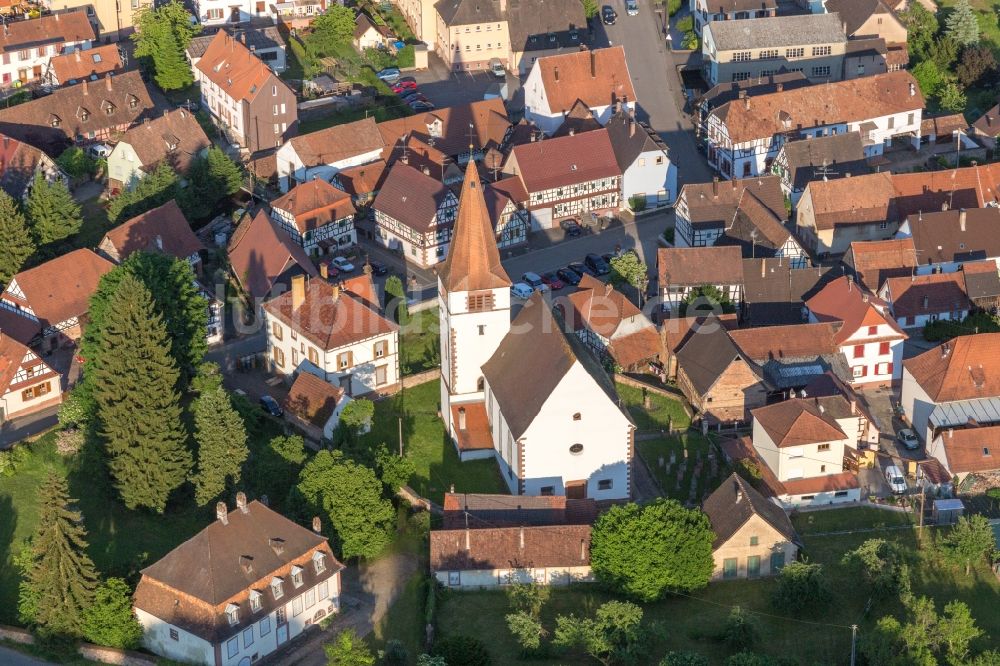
column 480, row 384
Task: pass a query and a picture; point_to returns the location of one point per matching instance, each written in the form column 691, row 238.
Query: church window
column 482, row 329
column 479, row 301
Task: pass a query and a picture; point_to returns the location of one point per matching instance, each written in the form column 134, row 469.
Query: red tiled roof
column 874, row 261
column 857, row 200
column 501, row 548
column 929, row 191
column 476, row 435
column 565, row 160
column 163, row 228
column 312, row 399
column 822, row 484
column 488, row 120
column 963, row 368
column 235, row 69
column 259, row 252
column 786, row 342
column 843, row 300
column 314, row 204
column 972, row 449
column 364, row 179
column 695, row 266
column 82, row 64
column 796, row 422
column 60, row 289
column 928, row 294
column 599, row 77
column 55, row 29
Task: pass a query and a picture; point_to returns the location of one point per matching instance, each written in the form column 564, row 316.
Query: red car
column 552, row 280
column 404, row 86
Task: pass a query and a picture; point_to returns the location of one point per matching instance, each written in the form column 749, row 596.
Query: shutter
column 888, row 368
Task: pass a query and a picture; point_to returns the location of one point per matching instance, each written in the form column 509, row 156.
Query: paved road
column 23, row 427
column 10, row 657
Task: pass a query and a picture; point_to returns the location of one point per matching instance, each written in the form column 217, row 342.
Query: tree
column 977, row 64
column 379, row 59
column 349, row 649
column 970, row 541
column 882, row 565
column 109, row 620
column 944, row 53
column 357, row 416
column 17, row 244
column 395, row 653
column 704, row 300
column 459, row 650
column 527, row 631
column 800, row 585
column 331, row 30
column 928, row 77
column 222, row 445
column 589, row 8
column 740, row 632
column 683, row 659
column 395, row 471
column 138, row 405
column 951, row 98
column 925, row 638
column 396, row 297
column 162, row 35
column 210, row 179
column 75, row 162
column 351, row 496
column 428, row 660
column 921, row 26
column 60, row 578
column 526, row 597
column 627, row 269
column 51, row 211
column 962, row 24
column 644, row 551
column 154, row 189
column 613, row 635
column 207, row 378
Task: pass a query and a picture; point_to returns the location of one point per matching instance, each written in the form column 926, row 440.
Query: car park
column 389, row 75
column 521, row 290
column 342, row 264
column 552, row 280
column 571, row 227
column 534, row 280
column 271, row 406
column 632, row 7
column 569, row 276
column 597, row 264
column 608, row 15
column 894, row 477
column 580, row 268
column 908, row 439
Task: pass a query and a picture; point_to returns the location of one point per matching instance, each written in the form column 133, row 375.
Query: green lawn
column 379, row 112
column 425, row 442
column 852, row 518
column 420, row 342
column 95, row 224
column 695, row 444
column 663, row 412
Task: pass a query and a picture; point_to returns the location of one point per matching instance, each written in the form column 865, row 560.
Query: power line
column 763, row 614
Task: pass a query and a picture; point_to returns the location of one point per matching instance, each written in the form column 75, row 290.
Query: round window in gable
column 576, row 449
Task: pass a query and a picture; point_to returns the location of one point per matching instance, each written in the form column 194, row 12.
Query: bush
column 686, row 24
column 637, row 203
column 993, row 493
column 461, row 650
column 673, row 6
column 800, row 585
column 76, row 163
column 406, row 58
column 740, row 632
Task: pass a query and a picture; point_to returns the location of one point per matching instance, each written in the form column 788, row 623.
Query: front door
column 576, row 490
column 282, row 634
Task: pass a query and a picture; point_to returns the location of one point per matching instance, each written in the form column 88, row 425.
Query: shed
column 947, row 511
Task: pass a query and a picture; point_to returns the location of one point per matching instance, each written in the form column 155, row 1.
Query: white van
column 894, row 477
column 496, row 68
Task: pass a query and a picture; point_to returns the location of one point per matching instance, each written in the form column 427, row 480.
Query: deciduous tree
column 645, row 551
column 740, row 632
column 51, row 211
column 684, row 659
column 977, row 65
column 109, row 620
column 800, row 585
column 921, row 26
column 222, row 445
column 349, row 649
column 627, row 269
column 970, row 541
column 17, row 246
column 704, row 300
column 951, row 98
column 138, row 405
column 613, row 635
column 883, row 566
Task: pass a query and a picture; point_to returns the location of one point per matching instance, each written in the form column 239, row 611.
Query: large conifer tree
column 52, row 212
column 17, row 245
column 60, row 579
column 222, row 445
column 134, row 379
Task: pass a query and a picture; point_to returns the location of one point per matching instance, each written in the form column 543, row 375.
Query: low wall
column 88, row 651
column 421, row 378
column 15, row 635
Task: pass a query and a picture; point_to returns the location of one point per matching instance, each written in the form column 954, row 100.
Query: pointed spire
column 473, row 261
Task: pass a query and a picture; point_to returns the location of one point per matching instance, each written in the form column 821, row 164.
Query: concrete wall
column 769, row 541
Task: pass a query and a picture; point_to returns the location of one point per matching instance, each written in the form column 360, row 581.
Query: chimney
column 739, row 492
column 159, row 242
column 631, row 127
column 961, row 219
column 583, row 550
column 76, row 55
column 951, row 432
column 336, row 292
column 317, row 525
column 521, row 537
column 427, row 170
column 742, row 94
column 780, row 87
column 503, row 6
column 298, row 291
column 222, row 513
column 555, row 73
column 593, row 64
column 468, row 544
column 746, row 103
column 572, row 131
column 822, row 409
column 461, row 418
column 927, row 302
column 86, row 87
column 715, row 186
column 854, row 406
column 241, row 502
column 763, row 268
column 324, row 270
column 107, row 82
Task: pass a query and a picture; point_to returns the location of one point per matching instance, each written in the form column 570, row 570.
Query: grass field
column 815, row 638
column 420, row 343
column 663, row 412
column 695, row 444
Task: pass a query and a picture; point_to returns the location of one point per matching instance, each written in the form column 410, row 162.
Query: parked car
column 418, row 97
column 378, row 268
column 569, row 276
column 99, row 151
column 571, row 227
column 552, row 280
column 342, row 264
column 389, row 75
column 534, row 280
column 580, row 268
column 422, row 106
column 403, row 86
column 408, row 95
column 521, row 290
column 496, row 68
column 597, row 263
column 632, row 7
column 271, row 406
column 908, row 439
column 407, row 79
column 608, row 15
column 894, row 477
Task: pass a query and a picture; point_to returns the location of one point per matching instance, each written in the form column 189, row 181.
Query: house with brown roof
column 175, row 138
column 31, row 44
column 775, row 293
column 982, row 284
column 760, row 232
column 542, row 28
column 869, row 338
column 612, row 326
column 970, row 450
column 744, row 136
column 753, row 535
column 649, row 178
column 951, row 189
column 944, row 240
column 832, row 214
column 265, row 41
column 368, row 35
column 479, row 510
column 822, row 158
column 956, row 385
column 918, row 300
column 720, row 382
column 323, row 153
column 88, row 112
column 56, row 295
column 598, row 77
column 805, row 445
column 162, row 229
column 314, row 405
column 263, row 258
column 415, row 213
column 27, row 383
column 684, row 270
column 706, row 11
column 676, row 331
column 704, row 210
column 244, row 585
column 19, row 163
column 567, row 177
column 453, row 130
column 727, row 91
column 790, row 357
column 77, row 65
column 873, row 262
column 335, row 332
column 317, row 216
column 987, row 127
column 362, row 183
column 245, row 98
column 492, row 557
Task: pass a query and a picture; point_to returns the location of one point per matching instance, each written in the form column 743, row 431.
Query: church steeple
column 473, row 262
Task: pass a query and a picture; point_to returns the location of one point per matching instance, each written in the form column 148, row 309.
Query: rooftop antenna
column 472, row 138
column 823, row 171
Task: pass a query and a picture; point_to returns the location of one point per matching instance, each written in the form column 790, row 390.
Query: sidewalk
column 23, row 427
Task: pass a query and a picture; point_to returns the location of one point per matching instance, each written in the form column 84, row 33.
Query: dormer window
column 133, row 101
column 109, row 108
column 56, row 121
column 296, row 576
column 319, row 562
column 256, row 601
column 277, row 588
column 233, row 614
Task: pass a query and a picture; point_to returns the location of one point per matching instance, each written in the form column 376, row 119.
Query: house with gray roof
column 813, row 44
column 649, row 178
column 820, row 158
column 705, row 11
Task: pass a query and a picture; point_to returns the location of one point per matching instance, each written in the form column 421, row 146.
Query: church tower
column 474, row 306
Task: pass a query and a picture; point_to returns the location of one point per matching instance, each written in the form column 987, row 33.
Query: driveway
column 10, row 657
column 445, row 88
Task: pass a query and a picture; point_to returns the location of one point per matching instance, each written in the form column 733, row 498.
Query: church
column 526, row 392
